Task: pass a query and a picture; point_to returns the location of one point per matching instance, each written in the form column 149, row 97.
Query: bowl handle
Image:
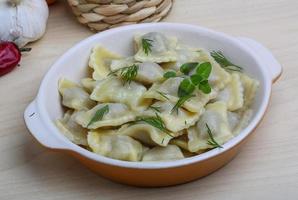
column 265, row 56
column 38, row 129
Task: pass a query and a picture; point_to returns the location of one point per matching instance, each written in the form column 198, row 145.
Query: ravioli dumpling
column 168, row 91
column 184, row 55
column 147, row 134
column 174, row 121
column 116, row 115
column 250, row 89
column 88, row 83
column 70, row 129
column 162, row 48
column 239, row 120
column 181, row 141
column 232, row 94
column 100, row 60
column 148, row 72
column 216, row 118
column 119, row 147
column 73, row 96
column 113, row 90
column 170, row 152
column 122, row 62
column 233, row 119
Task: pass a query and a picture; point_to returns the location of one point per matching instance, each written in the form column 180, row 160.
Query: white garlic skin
column 23, row 21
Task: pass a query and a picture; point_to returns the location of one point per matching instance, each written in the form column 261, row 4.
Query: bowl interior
column 73, row 64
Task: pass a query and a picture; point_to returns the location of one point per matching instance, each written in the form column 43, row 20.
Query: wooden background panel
column 266, row 168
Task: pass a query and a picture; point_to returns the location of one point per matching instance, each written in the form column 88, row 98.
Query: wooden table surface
column 266, row 168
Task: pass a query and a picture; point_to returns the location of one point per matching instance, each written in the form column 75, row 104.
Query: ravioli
column 215, row 117
column 147, row 134
column 119, row 147
column 114, row 90
column 89, row 84
column 184, row 55
column 117, row 115
column 162, row 48
column 170, row 152
column 100, row 60
column 70, row 129
column 250, row 89
column 148, row 72
column 238, row 121
column 232, row 94
column 73, row 96
column 174, row 121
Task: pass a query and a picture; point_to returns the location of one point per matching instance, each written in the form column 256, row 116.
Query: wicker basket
column 99, row 15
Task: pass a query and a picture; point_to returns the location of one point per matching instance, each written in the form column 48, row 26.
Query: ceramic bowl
column 257, row 61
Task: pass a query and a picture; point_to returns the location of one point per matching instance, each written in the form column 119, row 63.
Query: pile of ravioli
column 226, row 109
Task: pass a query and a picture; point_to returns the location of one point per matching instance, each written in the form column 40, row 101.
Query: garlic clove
column 23, row 21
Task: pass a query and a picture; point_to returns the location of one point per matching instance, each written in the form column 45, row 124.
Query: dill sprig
column 155, row 108
column 163, row 94
column 146, row 44
column 127, row 74
column 212, row 141
column 156, row 122
column 180, row 102
column 99, row 115
column 224, row 62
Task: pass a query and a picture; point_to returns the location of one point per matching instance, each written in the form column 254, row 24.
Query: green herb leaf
column 204, row 70
column 196, row 79
column 99, row 114
column 162, row 94
column 146, row 44
column 155, row 108
column 185, row 88
column 156, row 122
column 205, row 87
column 224, row 62
column 127, row 74
column 188, row 85
column 188, row 67
column 212, row 141
column 233, row 68
column 169, row 74
column 180, row 102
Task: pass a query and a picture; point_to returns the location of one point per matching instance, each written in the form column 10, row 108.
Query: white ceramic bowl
column 257, row 61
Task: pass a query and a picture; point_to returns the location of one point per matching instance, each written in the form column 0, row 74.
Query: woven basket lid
column 99, row 15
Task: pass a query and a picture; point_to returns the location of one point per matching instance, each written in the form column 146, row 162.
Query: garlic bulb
column 22, row 21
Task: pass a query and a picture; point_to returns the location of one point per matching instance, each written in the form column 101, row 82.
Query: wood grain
column 267, row 167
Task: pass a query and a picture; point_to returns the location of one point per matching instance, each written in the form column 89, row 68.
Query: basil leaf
column 205, row 88
column 196, row 79
column 185, row 88
column 187, row 67
column 169, row 74
column 204, row 70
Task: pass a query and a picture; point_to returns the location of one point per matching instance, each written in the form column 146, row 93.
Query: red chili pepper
column 10, row 56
